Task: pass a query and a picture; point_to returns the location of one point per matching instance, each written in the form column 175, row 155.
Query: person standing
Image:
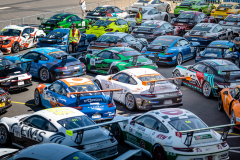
column 138, row 18
column 83, row 6
column 73, row 39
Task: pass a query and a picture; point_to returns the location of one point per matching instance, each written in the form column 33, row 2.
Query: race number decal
column 83, row 23
column 130, row 29
column 17, row 132
column 59, row 111
column 192, row 49
column 92, row 61
column 172, row 112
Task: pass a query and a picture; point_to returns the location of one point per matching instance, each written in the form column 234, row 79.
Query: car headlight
column 62, row 43
column 6, row 42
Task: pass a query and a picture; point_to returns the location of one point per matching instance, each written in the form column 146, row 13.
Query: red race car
column 187, row 20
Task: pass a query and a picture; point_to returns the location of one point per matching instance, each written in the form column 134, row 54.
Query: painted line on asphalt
column 234, row 151
column 234, row 147
column 24, row 103
column 230, row 133
column 5, row 7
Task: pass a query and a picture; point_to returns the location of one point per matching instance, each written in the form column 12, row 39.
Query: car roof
column 222, row 42
column 147, row 8
column 207, row 24
column 192, row 12
column 159, row 22
column 139, row 71
column 110, row 19
column 64, row 14
column 217, row 62
column 18, row 27
column 77, row 81
column 47, row 151
column 119, row 34
column 58, row 113
column 45, row 50
column 61, row 30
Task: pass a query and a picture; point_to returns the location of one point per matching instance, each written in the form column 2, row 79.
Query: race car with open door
column 210, row 76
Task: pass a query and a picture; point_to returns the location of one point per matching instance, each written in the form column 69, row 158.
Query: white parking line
column 234, row 151
column 5, row 7
column 234, row 147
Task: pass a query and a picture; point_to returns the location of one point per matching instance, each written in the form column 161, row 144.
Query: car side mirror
column 132, row 123
column 25, row 35
column 110, row 78
column 225, row 92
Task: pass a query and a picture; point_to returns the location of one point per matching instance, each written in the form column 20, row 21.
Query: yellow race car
column 105, row 25
column 224, row 9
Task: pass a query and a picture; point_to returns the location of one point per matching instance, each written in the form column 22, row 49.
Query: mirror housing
column 132, row 123
column 110, row 78
column 225, row 92
column 25, row 35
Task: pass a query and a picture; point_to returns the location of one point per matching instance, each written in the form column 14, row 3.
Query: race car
column 18, row 37
column 188, row 19
column 105, row 25
column 220, row 49
column 224, row 9
column 115, row 59
column 50, row 64
column 63, row 20
column 231, row 21
column 194, row 5
column 143, row 89
column 5, row 98
column 105, row 11
column 152, row 29
column 79, row 93
column 61, row 125
column 58, row 38
column 173, row 134
column 205, row 33
column 117, row 39
column 157, row 4
column 209, row 76
column 149, row 13
column 171, row 50
column 20, row 78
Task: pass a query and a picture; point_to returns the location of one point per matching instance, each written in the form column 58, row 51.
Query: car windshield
column 100, row 9
column 221, row 68
column 102, row 23
column 56, row 35
column 85, row 88
column 78, row 155
column 75, row 122
column 57, row 16
column 187, row 124
column 10, row 32
column 13, row 69
column 162, row 42
column 57, row 54
column 144, row 1
column 187, row 16
column 225, row 5
column 202, row 28
column 155, row 1
column 107, row 38
column 130, row 53
column 232, row 19
column 152, row 77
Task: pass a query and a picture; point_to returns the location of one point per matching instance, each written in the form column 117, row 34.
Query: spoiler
column 80, row 131
column 78, row 94
column 219, row 47
column 5, row 69
column 227, row 76
column 152, row 83
column 188, row 140
column 130, row 153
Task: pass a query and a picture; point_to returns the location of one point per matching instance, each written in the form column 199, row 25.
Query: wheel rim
column 219, row 103
column 168, row 9
column 179, row 59
column 176, row 74
column 44, row 74
column 206, row 89
column 158, row 153
column 16, row 47
column 129, row 101
column 3, row 135
column 36, row 97
column 232, row 120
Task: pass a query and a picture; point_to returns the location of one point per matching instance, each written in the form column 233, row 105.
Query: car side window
column 219, row 28
column 31, row 30
column 121, row 77
column 105, row 55
column 234, row 92
column 50, row 127
column 199, row 67
column 202, row 16
column 116, row 9
column 131, row 81
column 147, row 121
column 30, row 55
column 74, row 18
column 129, row 38
column 55, row 87
column 43, row 58
column 209, row 71
column 177, row 44
column 115, row 56
column 69, row 19
column 160, row 127
column 77, row 18
column 150, row 12
column 154, row 11
column 35, row 121
column 183, row 42
column 215, row 30
column 203, row 3
column 26, row 30
column 62, row 91
column 167, row 26
column 198, row 17
column 162, row 27
column 237, row 6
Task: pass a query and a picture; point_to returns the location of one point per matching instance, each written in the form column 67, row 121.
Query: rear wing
column 80, row 131
column 63, row 58
column 5, row 69
column 130, row 153
column 152, row 83
column 78, row 94
column 219, row 47
column 227, row 76
column 188, row 140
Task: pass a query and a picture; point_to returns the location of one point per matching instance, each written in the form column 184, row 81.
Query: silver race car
column 232, row 21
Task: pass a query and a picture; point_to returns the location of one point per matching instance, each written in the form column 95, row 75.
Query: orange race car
column 17, row 37
column 229, row 101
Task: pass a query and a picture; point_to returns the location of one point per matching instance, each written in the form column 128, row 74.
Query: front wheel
column 44, row 75
column 4, row 135
column 37, row 98
column 168, row 9
column 15, row 48
column 179, row 59
column 158, row 153
column 130, row 102
column 206, row 89
column 220, row 103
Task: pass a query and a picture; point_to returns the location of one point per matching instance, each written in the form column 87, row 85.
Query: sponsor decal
column 142, row 144
column 138, row 134
column 132, row 139
column 161, row 136
column 92, row 100
column 178, row 134
column 204, row 136
column 198, row 150
column 172, row 112
column 141, row 128
column 219, row 146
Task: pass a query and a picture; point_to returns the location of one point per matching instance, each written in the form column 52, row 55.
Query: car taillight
column 111, row 105
column 198, row 57
column 143, row 51
column 224, row 144
column 224, row 22
column 105, row 12
column 149, row 95
column 113, row 140
column 235, row 23
column 133, row 33
column 61, row 68
column 110, row 29
column 168, row 53
column 213, row 11
column 28, row 74
column 82, row 64
column 78, row 108
column 183, row 149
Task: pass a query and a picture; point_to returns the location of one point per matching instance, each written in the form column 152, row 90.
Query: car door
column 52, row 96
column 186, row 49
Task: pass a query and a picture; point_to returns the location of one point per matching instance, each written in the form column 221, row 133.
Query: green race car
column 194, row 5
column 113, row 60
column 63, row 20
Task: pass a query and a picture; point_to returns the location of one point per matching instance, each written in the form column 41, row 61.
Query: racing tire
column 179, row 59
column 168, row 9
column 232, row 121
column 5, row 138
column 177, row 73
column 236, row 62
column 37, row 98
column 15, row 48
column 220, row 103
column 118, row 135
column 114, row 70
column 130, row 102
column 166, row 18
column 206, row 89
column 158, row 153
column 230, row 37
column 98, row 83
column 44, row 74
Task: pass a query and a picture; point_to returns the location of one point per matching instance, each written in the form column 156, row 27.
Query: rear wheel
column 4, row 135
column 177, row 73
column 37, row 98
column 166, row 18
column 44, row 74
column 179, row 59
column 15, row 48
column 158, row 153
column 206, row 89
column 168, row 9
column 130, row 102
column 220, row 103
column 98, row 83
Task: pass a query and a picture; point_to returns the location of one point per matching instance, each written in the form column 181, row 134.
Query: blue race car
column 171, row 50
column 80, row 93
column 220, row 49
column 58, row 38
column 50, row 64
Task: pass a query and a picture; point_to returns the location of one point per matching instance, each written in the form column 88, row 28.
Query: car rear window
column 78, row 155
column 162, row 42
column 102, row 23
column 221, row 68
column 75, row 122
column 186, row 15
column 58, row 16
column 85, row 88
column 225, row 5
column 202, row 28
column 107, row 38
column 10, row 32
column 130, row 53
column 55, row 35
column 217, row 49
column 100, row 9
column 232, row 19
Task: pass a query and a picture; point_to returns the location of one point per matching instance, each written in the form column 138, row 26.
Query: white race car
column 157, row 4
column 143, row 89
column 149, row 13
column 173, row 134
column 62, row 125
